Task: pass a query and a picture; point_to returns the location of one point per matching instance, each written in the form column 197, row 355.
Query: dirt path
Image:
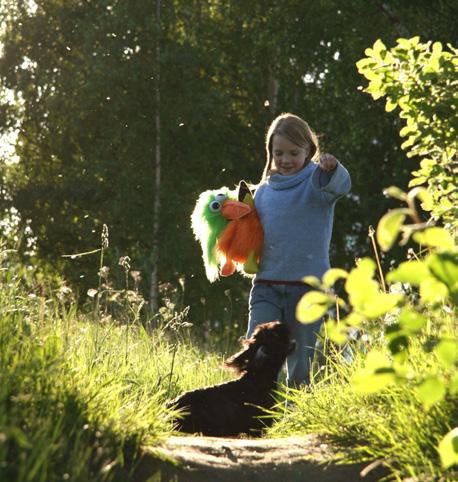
column 294, row 459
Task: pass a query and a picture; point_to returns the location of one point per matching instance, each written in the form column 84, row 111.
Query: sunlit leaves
column 377, row 374
column 411, row 320
column 448, row 449
column 313, row 305
column 435, row 237
column 420, row 78
column 364, row 291
column 432, row 291
column 444, row 267
column 396, row 192
column 389, row 226
column 412, row 272
column 431, row 391
column 336, row 332
column 332, row 275
column 447, row 352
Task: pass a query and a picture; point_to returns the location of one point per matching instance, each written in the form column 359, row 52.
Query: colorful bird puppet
column 226, row 224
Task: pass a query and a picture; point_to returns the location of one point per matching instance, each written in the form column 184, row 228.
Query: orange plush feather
column 241, row 241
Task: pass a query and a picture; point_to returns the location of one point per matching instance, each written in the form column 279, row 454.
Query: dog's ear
column 240, row 361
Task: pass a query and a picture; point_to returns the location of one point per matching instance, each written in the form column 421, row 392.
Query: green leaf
column 366, row 383
column 336, row 332
column 366, row 63
column 378, row 46
column 390, row 105
column 389, row 226
column 409, row 142
column 432, row 291
column 312, row 281
column 398, row 342
column 376, row 374
column 412, row 272
column 447, row 352
column 417, row 181
column 410, row 129
column 394, row 191
column 448, row 449
column 364, row 292
column 332, row 275
column 431, row 391
column 453, row 386
column 359, row 277
column 353, row 319
column 437, row 48
column 312, row 306
column 411, row 321
column 444, row 267
column 435, row 237
column 376, row 305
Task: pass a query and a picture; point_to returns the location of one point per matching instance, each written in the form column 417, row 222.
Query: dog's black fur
column 233, row 408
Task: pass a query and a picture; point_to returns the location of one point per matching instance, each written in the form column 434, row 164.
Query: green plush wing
column 207, row 224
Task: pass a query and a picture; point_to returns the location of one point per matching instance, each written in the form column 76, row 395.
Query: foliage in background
column 78, row 84
column 420, row 79
column 415, row 314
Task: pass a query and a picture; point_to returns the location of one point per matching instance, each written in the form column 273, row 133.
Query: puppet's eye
column 220, row 198
column 215, row 206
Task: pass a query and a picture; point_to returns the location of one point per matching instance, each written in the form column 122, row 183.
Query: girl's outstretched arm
column 331, row 178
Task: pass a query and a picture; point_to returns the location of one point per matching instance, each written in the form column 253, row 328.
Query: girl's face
column 288, row 157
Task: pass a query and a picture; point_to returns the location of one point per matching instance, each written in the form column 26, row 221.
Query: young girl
column 295, row 202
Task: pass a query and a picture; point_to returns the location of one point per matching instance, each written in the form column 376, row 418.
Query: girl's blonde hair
column 295, row 130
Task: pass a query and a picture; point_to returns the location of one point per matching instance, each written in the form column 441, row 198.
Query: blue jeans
column 270, row 302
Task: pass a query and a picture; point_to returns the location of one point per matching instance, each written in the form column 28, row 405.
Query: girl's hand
column 328, row 162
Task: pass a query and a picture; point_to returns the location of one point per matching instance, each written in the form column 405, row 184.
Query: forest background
column 121, row 113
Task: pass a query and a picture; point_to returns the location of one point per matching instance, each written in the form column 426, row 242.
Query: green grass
column 391, row 426
column 79, row 397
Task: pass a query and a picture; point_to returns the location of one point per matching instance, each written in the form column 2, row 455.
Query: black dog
column 232, row 408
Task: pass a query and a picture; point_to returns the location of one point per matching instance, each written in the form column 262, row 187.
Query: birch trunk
column 153, row 294
column 272, row 90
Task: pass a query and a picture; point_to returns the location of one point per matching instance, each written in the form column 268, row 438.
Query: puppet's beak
column 235, row 210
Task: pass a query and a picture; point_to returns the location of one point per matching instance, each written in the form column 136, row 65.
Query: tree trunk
column 153, row 294
column 272, row 90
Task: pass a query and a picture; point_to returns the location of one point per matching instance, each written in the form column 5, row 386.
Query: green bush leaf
column 376, row 374
column 390, row 105
column 336, row 332
column 332, row 275
column 377, row 304
column 447, row 352
column 435, row 237
column 411, row 321
column 364, row 292
column 395, row 192
column 312, row 306
column 417, row 181
column 389, row 226
column 412, row 272
column 448, row 449
column 432, row 291
column 366, row 383
column 431, row 391
column 444, row 267
column 312, row 281
column 453, row 386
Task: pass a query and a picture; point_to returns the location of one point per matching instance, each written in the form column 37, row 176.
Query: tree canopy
column 77, row 86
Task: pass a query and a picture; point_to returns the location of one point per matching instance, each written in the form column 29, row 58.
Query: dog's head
column 270, row 344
